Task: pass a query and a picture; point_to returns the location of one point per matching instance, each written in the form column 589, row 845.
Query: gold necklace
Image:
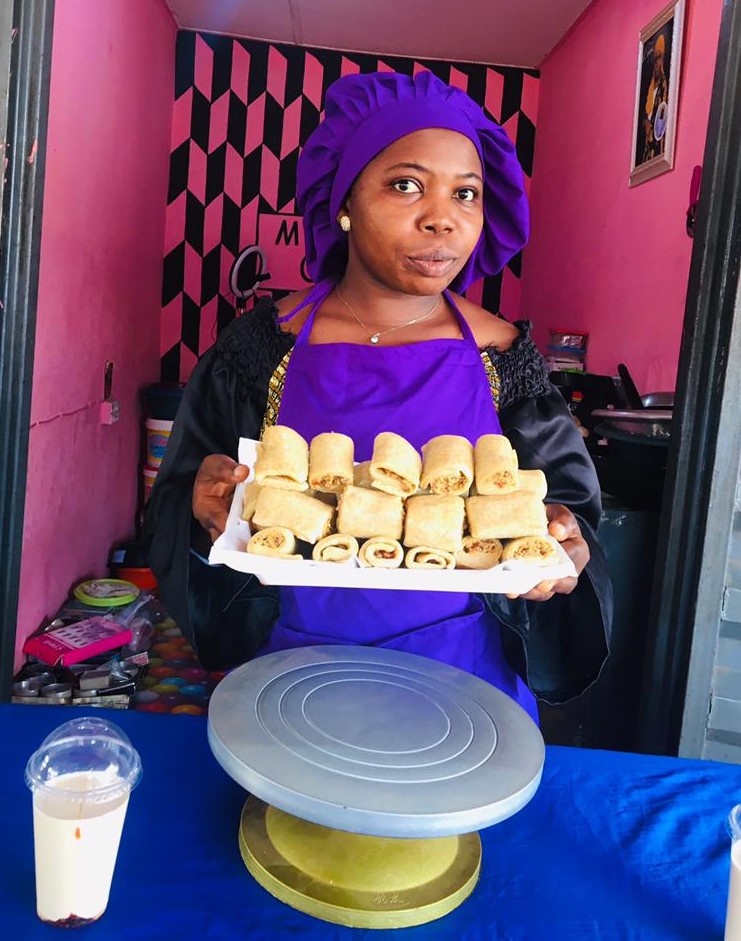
column 374, row 337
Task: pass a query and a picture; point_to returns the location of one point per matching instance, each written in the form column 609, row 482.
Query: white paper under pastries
column 514, row 577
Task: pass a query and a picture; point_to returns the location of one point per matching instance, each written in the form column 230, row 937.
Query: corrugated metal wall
column 723, row 734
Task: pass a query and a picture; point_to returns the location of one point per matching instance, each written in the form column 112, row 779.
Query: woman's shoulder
column 253, row 343
column 522, row 371
column 490, row 331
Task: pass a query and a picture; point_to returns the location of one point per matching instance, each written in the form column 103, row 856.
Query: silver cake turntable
column 371, row 771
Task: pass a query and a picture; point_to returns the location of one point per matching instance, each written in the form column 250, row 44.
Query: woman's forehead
column 429, row 148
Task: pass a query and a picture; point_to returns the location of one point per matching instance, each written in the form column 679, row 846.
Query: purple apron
column 419, row 391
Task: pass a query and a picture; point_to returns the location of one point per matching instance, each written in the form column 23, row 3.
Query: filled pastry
column 506, row 516
column 539, row 550
column 250, row 491
column 381, row 553
column 282, row 459
column 365, row 512
column 275, row 541
column 395, row 466
column 434, row 520
column 331, row 462
column 534, row 482
column 495, row 465
column 307, row 518
column 335, row 548
column 427, row 557
column 361, row 474
column 478, row 553
column 447, row 465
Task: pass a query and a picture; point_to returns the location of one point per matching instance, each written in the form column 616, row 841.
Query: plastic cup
column 158, row 434
column 80, row 777
column 733, row 912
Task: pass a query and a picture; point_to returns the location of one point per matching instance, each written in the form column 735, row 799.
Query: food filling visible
column 403, row 483
column 454, row 483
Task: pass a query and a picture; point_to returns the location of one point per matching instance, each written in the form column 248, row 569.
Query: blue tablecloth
column 613, row 846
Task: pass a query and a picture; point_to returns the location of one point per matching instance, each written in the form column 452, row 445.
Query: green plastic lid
column 106, row 592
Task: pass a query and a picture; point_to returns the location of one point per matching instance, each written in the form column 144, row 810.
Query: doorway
column 702, row 360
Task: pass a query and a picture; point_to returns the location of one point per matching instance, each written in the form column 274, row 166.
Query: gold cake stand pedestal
column 352, row 879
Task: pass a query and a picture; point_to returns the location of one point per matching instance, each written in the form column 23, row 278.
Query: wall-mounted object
column 657, row 94
column 247, row 273
column 694, row 201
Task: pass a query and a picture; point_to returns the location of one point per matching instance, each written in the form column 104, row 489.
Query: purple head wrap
column 366, row 113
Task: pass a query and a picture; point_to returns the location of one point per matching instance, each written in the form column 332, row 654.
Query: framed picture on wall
column 657, row 94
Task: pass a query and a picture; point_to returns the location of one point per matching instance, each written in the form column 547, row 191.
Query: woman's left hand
column 562, row 525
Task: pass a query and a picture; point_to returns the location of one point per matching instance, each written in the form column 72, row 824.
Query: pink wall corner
column 604, row 257
column 100, row 286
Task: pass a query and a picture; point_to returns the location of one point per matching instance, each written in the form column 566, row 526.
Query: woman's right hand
column 213, row 489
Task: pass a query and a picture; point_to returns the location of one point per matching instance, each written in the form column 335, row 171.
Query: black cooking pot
column 631, row 467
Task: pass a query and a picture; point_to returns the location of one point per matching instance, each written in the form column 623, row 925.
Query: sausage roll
column 427, row 557
column 540, row 550
column 447, row 465
column 361, row 474
column 533, row 481
column 275, row 541
column 478, row 553
column 506, row 516
column 381, row 553
column 395, row 466
column 282, row 459
column 335, row 548
column 434, row 520
column 249, row 499
column 365, row 512
column 331, row 462
column 495, row 465
column 307, row 518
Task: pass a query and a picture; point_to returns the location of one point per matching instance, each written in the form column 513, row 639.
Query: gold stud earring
column 345, row 223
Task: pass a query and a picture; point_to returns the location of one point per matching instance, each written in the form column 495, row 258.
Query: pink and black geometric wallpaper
column 242, row 111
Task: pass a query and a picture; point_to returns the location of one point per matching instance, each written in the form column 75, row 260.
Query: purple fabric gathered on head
column 365, row 114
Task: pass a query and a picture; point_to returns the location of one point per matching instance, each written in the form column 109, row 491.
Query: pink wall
column 604, row 257
column 100, row 287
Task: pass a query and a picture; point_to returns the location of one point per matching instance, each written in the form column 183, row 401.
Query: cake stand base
column 356, row 880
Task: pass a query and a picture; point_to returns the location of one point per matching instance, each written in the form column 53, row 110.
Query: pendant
column 374, row 338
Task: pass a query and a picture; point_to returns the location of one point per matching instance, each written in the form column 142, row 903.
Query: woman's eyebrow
column 422, row 169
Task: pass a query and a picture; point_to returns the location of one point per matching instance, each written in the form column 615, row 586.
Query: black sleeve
column 559, row 645
column 226, row 615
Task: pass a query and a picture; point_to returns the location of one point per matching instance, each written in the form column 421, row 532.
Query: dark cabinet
column 606, row 716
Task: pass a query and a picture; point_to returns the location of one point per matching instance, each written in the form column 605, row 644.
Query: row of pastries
column 453, row 505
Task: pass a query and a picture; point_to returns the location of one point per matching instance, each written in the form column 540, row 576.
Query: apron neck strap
column 462, row 322
column 321, row 291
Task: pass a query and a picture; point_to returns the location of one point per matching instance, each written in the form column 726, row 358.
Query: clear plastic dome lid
column 734, row 823
column 89, row 754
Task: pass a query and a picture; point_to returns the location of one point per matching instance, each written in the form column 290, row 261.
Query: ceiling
column 501, row 32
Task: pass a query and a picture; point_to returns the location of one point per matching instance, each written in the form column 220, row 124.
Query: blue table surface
column 612, row 846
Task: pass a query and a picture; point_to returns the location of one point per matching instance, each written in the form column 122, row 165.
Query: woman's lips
column 434, row 264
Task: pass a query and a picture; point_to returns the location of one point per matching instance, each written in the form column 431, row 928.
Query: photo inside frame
column 653, row 98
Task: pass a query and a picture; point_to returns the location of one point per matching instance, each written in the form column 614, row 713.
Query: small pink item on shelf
column 76, row 642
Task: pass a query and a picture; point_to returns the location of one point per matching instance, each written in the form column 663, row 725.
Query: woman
column 407, row 189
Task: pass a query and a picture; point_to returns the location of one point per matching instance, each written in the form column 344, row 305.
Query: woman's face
column 417, row 211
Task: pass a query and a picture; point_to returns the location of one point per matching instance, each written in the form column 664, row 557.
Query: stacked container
column 567, row 350
column 161, row 403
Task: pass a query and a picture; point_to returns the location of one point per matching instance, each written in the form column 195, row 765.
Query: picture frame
column 657, row 94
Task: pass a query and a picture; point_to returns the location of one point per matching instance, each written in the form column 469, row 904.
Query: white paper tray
column 516, row 577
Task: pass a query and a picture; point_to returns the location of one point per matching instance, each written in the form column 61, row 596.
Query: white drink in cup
column 733, row 913
column 81, row 778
